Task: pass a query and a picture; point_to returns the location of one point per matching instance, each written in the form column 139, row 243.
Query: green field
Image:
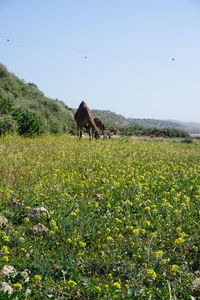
column 121, row 218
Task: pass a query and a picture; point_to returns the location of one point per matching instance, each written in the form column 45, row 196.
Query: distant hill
column 112, row 119
column 24, row 109
column 187, row 126
column 191, row 127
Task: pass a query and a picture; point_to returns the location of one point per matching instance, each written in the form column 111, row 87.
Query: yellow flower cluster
column 117, row 202
column 151, row 274
column 71, row 283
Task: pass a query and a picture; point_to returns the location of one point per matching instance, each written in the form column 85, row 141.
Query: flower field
column 113, row 219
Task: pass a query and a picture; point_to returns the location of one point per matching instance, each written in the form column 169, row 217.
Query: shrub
column 53, row 127
column 187, row 141
column 31, row 90
column 7, row 125
column 29, row 124
column 6, row 104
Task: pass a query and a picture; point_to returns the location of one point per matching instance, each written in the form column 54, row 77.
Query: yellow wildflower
column 97, row 289
column 69, row 241
column 23, row 250
column 53, row 222
column 73, row 214
column 118, row 220
column 5, row 258
column 158, row 254
column 37, row 277
column 154, row 234
column 129, row 202
column 186, row 199
column 195, row 248
column 178, row 229
column 120, row 236
column 174, row 268
column 26, row 220
column 51, row 232
column 136, row 231
column 147, row 208
column 179, row 241
column 71, row 283
column 5, row 238
column 82, row 244
column 5, row 250
column 152, row 274
column 183, row 234
column 130, row 228
column 148, row 223
column 17, row 286
column 116, row 285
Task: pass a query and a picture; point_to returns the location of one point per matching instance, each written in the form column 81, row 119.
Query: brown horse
column 83, row 118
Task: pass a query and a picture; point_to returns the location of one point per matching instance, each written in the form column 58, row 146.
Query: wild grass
column 122, row 218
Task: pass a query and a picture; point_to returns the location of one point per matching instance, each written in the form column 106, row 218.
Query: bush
column 53, row 127
column 29, row 124
column 153, row 132
column 187, row 141
column 132, row 130
column 7, row 125
column 6, row 105
column 31, row 90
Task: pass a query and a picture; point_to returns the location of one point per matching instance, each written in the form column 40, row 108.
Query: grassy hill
column 24, row 105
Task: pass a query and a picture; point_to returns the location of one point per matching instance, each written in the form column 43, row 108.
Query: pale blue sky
column 129, row 45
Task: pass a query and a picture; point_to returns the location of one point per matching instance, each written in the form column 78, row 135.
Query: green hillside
column 25, row 109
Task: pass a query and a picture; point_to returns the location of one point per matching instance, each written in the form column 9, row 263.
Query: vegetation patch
column 113, row 219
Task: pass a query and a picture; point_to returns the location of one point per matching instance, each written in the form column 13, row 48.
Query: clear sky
column 139, row 58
